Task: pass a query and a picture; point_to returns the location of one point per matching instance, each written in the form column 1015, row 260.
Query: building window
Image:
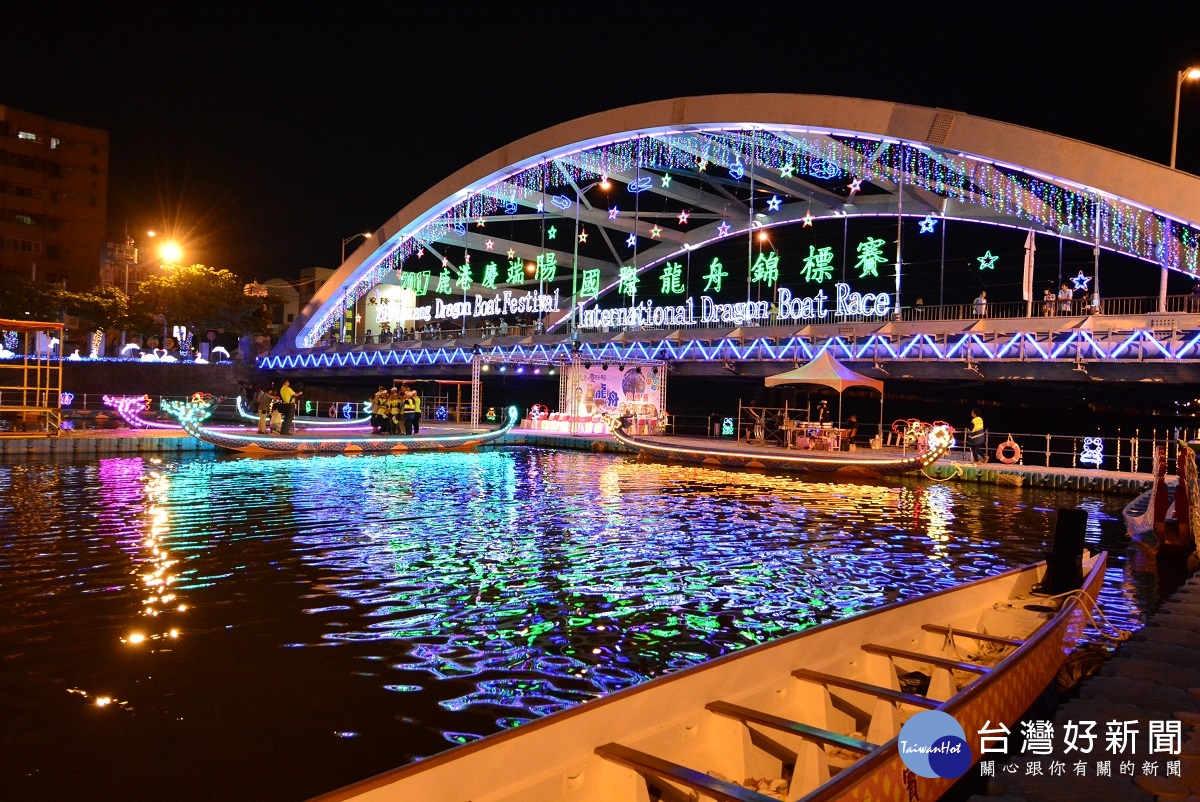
column 23, row 218
column 25, row 192
column 55, row 143
column 22, row 245
column 27, row 135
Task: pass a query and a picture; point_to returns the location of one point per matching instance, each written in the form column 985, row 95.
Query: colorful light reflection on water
column 333, row 617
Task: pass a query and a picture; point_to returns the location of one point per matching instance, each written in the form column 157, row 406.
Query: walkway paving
column 1154, row 677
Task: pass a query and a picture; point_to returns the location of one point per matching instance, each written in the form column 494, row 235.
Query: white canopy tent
column 826, row 371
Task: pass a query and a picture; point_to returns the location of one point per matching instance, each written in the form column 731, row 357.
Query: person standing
column 378, row 410
column 980, row 304
column 288, row 396
column 977, row 438
column 408, row 409
column 1065, row 297
column 416, row 415
column 263, row 403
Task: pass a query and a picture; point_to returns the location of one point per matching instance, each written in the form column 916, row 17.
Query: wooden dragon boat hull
column 817, row 714
column 337, row 442
column 842, row 463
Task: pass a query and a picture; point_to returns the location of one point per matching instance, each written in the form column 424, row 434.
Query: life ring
column 1008, row 452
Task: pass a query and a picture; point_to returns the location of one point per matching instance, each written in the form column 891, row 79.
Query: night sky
column 262, row 139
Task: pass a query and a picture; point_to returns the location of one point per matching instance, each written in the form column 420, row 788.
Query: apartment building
column 53, row 199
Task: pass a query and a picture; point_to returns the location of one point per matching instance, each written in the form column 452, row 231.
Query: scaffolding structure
column 31, row 376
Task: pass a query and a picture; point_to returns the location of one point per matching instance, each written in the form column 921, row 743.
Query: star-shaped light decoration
column 632, row 241
column 583, row 236
column 987, row 261
column 479, row 223
column 511, row 253
column 774, row 203
column 541, row 207
column 445, row 262
column 787, row 171
column 723, row 229
column 1081, row 282
column 683, row 217
column 656, row 231
column 613, row 212
column 420, row 252
column 551, row 232
column 666, row 179
column 855, row 185
column 808, row 219
column 466, row 258
column 703, row 164
column 489, row 245
column 928, row 224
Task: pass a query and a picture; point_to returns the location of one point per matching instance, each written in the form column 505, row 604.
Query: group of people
column 1063, row 302
column 396, row 411
column 276, row 408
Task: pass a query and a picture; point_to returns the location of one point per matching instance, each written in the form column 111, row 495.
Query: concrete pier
column 1153, row 677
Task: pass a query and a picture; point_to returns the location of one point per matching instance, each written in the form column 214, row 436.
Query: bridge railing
column 1008, row 310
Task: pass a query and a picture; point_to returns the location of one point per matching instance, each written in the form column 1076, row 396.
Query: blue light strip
column 922, row 346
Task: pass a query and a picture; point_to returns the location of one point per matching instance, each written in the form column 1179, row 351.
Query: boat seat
column 805, row 731
column 650, row 766
column 938, row 629
column 878, row 691
column 917, row 657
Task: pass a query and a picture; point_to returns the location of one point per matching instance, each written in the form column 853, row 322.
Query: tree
column 194, row 296
column 104, row 308
column 28, row 300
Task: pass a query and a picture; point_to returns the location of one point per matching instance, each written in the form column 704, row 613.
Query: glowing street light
column 170, row 252
column 1190, row 74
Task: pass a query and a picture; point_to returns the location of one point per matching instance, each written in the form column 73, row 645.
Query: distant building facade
column 53, row 199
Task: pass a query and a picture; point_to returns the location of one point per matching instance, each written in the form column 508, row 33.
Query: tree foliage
column 195, row 296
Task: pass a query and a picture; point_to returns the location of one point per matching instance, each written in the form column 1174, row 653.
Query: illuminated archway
column 690, row 172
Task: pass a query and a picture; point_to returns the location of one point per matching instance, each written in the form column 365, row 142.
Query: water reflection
column 412, row 603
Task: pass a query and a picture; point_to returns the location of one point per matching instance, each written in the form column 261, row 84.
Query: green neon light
column 672, row 279
column 870, row 256
column 818, row 265
column 716, row 272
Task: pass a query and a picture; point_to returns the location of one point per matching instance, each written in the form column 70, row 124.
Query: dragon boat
column 816, row 716
column 192, row 416
column 939, row 441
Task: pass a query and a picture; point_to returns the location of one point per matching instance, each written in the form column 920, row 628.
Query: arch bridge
column 736, row 229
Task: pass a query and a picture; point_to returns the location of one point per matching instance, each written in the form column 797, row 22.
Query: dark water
column 273, row 629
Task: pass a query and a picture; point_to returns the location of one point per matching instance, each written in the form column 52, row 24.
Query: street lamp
column 351, row 238
column 603, row 183
column 1190, row 74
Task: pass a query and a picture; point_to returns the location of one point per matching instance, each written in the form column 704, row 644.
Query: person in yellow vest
column 288, row 396
column 378, row 410
column 392, row 422
column 408, row 407
column 416, row 413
